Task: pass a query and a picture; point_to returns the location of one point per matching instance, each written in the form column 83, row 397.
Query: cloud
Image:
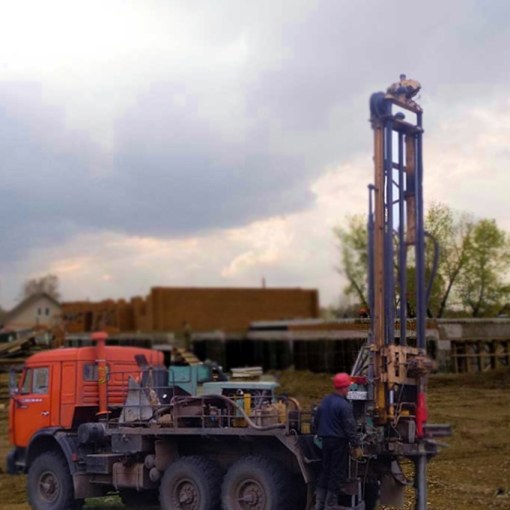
column 466, row 167
column 267, row 244
column 296, row 250
column 215, row 136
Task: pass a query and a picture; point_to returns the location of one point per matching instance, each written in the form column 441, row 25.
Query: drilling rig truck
column 88, row 421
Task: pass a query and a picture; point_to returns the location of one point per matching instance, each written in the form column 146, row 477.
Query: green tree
column 462, row 269
column 483, row 288
column 48, row 284
column 451, row 231
column 354, row 257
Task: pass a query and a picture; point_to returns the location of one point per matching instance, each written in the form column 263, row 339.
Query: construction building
column 184, row 310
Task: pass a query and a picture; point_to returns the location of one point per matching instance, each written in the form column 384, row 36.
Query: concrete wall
column 465, row 345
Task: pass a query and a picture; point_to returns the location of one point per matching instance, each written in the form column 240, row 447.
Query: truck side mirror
column 13, row 381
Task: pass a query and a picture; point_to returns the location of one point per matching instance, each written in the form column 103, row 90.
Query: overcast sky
column 217, row 143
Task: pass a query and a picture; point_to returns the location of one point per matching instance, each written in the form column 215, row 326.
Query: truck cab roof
column 113, row 353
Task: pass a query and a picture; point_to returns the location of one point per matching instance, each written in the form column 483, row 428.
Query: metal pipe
column 420, row 244
column 371, row 269
column 378, row 316
column 420, row 466
column 410, row 189
column 100, row 338
column 370, row 254
column 402, row 242
column 435, row 264
column 388, row 235
column 378, row 248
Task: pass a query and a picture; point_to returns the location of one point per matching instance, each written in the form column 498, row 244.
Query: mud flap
column 83, row 488
column 13, row 468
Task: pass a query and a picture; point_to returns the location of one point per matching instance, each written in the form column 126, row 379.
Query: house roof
column 26, row 303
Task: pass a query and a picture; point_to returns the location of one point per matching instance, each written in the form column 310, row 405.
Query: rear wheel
column 191, row 483
column 50, row 485
column 257, row 483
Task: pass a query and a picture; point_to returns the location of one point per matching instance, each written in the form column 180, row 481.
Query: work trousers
column 335, row 463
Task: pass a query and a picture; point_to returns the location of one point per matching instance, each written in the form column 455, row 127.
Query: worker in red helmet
column 335, row 425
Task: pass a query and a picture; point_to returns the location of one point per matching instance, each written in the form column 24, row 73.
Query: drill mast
column 395, row 366
column 395, row 225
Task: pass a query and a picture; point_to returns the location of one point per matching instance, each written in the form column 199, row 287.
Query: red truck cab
column 61, row 388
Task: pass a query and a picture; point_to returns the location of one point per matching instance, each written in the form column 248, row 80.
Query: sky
column 200, row 143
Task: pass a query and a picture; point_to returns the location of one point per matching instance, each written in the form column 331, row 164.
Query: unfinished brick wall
column 178, row 309
column 227, row 309
column 81, row 316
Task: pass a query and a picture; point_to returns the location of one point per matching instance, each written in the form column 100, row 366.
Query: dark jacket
column 334, row 418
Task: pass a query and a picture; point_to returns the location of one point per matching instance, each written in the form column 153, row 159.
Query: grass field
column 472, row 474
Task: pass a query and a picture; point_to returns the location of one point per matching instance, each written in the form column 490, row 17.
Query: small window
column 39, row 311
column 47, row 311
column 90, row 372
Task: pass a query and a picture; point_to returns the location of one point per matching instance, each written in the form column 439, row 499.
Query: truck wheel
column 50, row 485
column 191, row 483
column 257, row 483
column 139, row 499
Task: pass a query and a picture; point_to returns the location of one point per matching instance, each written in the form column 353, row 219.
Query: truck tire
column 191, row 483
column 50, row 485
column 257, row 483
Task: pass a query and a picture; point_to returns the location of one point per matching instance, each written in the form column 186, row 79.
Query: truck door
column 31, row 405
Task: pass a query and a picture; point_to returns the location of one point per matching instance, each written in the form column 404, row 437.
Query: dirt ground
column 473, row 473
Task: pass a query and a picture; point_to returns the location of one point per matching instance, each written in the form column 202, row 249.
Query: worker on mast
column 335, row 425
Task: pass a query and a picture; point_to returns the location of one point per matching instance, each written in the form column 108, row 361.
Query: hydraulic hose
column 435, row 264
column 227, row 400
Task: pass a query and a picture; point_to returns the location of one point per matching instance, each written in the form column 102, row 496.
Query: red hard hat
column 341, row 380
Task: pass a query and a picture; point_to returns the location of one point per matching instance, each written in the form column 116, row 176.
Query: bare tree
column 48, row 284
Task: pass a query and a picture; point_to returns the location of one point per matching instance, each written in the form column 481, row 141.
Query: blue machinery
column 392, row 371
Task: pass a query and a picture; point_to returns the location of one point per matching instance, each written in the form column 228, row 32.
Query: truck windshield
column 35, row 381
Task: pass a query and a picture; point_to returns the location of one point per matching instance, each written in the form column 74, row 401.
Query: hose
column 435, row 265
column 249, row 421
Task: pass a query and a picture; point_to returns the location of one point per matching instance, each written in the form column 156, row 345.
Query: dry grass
column 472, row 474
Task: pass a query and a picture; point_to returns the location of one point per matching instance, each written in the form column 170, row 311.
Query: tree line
column 472, row 273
